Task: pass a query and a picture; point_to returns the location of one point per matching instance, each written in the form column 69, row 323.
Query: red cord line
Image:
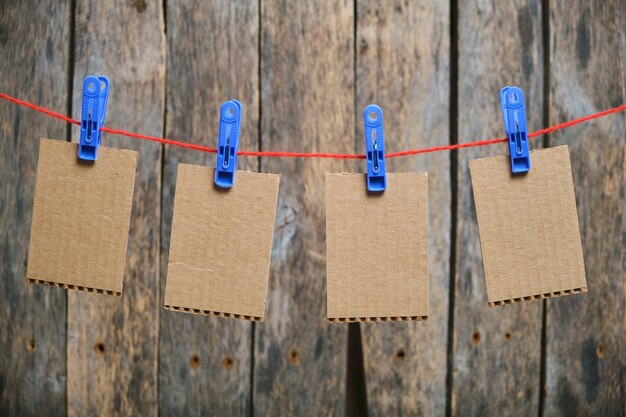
column 314, row 154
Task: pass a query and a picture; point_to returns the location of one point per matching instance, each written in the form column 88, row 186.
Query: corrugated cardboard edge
column 213, row 313
column 538, row 296
column 73, row 287
column 375, row 319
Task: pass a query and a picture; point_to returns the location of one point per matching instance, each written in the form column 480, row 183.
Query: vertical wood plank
column 585, row 369
column 497, row 350
column 112, row 342
column 403, row 66
column 34, row 63
column 307, row 104
column 623, row 34
column 205, row 362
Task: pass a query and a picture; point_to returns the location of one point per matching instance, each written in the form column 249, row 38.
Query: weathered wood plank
column 205, row 363
column 112, row 341
column 403, row 65
column 497, row 350
column 34, row 63
column 585, row 368
column 623, row 34
column 307, row 104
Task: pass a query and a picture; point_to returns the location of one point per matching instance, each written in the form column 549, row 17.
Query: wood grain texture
column 34, row 63
column 497, row 350
column 112, row 342
column 585, row 362
column 622, row 12
column 307, row 96
column 205, row 363
column 403, row 65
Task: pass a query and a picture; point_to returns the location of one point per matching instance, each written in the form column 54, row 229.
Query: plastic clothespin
column 375, row 148
column 228, row 143
column 95, row 99
column 514, row 114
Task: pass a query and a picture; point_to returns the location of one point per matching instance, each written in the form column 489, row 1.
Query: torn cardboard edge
column 73, row 287
column 538, row 296
column 375, row 319
column 210, row 313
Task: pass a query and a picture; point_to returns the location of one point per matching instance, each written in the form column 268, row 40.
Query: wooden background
column 304, row 71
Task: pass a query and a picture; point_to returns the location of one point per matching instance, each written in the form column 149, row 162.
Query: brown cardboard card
column 377, row 248
column 221, row 244
column 528, row 227
column 81, row 216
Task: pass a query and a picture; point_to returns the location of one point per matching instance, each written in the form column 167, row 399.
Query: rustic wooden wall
column 304, row 71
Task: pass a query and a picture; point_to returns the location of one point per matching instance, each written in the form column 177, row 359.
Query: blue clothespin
column 228, row 143
column 375, row 148
column 95, row 98
column 514, row 113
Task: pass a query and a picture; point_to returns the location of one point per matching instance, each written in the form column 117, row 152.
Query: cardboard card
column 377, row 248
column 528, row 227
column 81, row 216
column 221, row 244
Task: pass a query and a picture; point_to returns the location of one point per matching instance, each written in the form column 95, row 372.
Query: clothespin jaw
column 375, row 148
column 228, row 143
column 95, row 99
column 514, row 114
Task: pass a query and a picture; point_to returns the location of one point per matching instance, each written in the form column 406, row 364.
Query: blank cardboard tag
column 528, row 227
column 81, row 216
column 221, row 244
column 377, row 248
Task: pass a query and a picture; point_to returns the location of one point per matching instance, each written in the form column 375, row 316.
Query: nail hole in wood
column 228, row 363
column 399, row 356
column 600, row 351
column 194, row 361
column 140, row 6
column 30, row 345
column 475, row 338
column 99, row 348
column 507, row 336
column 294, row 357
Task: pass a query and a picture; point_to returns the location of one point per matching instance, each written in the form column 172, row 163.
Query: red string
column 270, row 154
column 39, row 109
